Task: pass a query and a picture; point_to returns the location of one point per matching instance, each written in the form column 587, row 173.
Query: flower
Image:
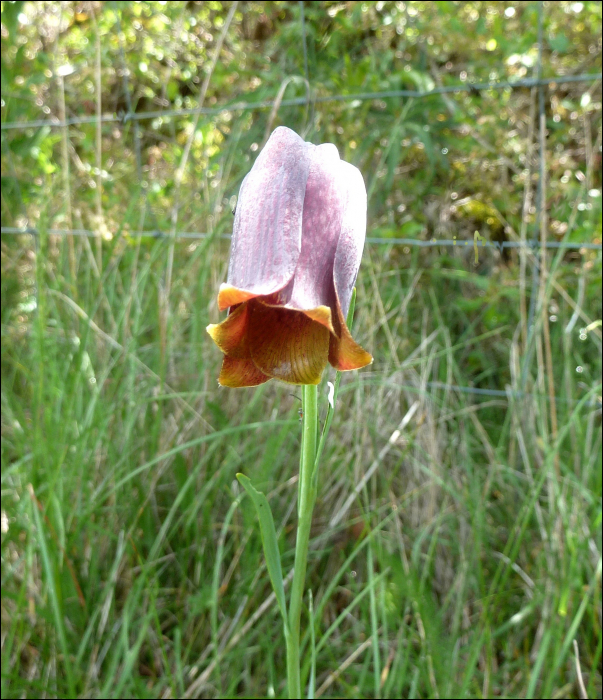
column 298, row 235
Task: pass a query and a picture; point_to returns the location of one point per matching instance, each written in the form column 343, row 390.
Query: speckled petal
column 286, row 344
column 238, row 373
column 324, row 206
column 266, row 239
column 231, row 335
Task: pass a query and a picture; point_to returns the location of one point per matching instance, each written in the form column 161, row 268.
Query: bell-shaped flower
column 299, row 230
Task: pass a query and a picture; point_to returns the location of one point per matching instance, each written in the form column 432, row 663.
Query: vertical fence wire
column 127, row 97
column 541, row 165
column 303, row 33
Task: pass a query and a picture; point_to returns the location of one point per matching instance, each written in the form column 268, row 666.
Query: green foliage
column 128, row 567
column 270, row 545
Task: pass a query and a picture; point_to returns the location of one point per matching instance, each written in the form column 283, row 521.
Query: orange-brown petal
column 231, row 336
column 237, row 373
column 345, row 353
column 322, row 315
column 287, row 345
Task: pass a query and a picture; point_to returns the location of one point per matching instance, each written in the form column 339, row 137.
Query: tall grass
column 456, row 544
column 466, row 565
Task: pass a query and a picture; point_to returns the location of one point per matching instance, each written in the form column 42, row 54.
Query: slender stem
column 307, row 497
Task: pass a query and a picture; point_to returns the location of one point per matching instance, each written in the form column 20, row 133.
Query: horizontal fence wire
column 552, row 82
column 499, row 393
column 532, row 244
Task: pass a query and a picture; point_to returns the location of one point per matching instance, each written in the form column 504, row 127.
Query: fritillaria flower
column 298, row 235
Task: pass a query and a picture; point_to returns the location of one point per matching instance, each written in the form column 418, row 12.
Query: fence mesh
column 132, row 122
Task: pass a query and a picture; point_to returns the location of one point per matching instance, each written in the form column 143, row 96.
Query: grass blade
column 52, row 592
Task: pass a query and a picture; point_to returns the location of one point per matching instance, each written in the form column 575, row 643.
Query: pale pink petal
column 266, row 240
column 311, row 289
column 353, row 232
column 344, row 351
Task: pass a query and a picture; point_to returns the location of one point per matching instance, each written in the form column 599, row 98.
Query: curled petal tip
column 213, row 332
column 345, row 354
column 237, row 373
column 231, row 296
column 231, row 335
column 322, row 315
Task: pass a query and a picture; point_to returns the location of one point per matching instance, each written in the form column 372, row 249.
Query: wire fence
column 311, row 98
column 530, row 244
column 242, row 106
column 130, row 116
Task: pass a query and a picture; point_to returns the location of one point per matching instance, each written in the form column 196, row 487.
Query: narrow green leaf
column 271, row 551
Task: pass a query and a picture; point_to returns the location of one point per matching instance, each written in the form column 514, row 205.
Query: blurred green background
column 456, row 548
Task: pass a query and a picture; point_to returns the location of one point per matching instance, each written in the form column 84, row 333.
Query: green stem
column 307, row 497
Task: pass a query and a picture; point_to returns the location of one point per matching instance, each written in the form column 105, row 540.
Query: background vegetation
column 457, row 542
